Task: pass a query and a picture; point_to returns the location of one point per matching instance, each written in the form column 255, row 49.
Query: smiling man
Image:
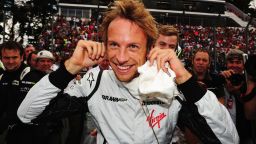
column 120, row 114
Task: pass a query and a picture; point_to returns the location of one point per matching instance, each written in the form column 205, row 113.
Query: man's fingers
column 99, row 47
column 153, row 55
column 164, row 60
column 94, row 50
column 103, row 51
column 86, row 47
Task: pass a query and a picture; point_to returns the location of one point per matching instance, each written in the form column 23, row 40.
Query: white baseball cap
column 45, row 54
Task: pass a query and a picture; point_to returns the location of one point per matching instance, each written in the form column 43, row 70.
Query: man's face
column 126, row 48
column 29, row 50
column 11, row 59
column 33, row 60
column 44, row 64
column 236, row 65
column 201, row 62
column 165, row 42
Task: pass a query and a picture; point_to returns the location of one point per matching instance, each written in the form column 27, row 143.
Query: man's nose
column 122, row 55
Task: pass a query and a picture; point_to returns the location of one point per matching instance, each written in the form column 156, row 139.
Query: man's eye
column 112, row 45
column 134, row 46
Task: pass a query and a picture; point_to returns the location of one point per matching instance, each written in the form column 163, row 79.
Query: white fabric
column 156, row 84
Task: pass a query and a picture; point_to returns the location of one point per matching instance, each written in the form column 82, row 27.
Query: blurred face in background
column 201, row 62
column 165, row 42
column 236, row 64
column 44, row 64
column 28, row 50
column 32, row 61
column 11, row 59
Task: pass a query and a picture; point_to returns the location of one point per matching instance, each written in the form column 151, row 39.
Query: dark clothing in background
column 10, row 96
column 212, row 82
column 14, row 87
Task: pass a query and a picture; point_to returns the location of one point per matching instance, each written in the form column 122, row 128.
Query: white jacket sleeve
column 216, row 115
column 37, row 99
column 218, row 118
column 40, row 95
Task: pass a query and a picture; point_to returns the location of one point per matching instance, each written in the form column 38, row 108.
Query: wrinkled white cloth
column 152, row 84
column 156, row 84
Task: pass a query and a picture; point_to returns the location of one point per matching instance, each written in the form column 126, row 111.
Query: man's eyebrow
column 111, row 41
column 162, row 42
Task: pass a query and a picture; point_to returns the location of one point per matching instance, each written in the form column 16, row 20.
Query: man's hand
column 86, row 54
column 234, row 89
column 163, row 56
column 227, row 73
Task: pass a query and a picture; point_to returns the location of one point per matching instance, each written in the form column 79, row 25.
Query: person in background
column 112, row 97
column 168, row 37
column 234, row 85
column 41, row 63
column 51, row 131
column 27, row 50
column 44, row 61
column 14, row 84
column 201, row 62
column 249, row 98
column 31, row 60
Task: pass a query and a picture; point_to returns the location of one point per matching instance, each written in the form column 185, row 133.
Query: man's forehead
column 123, row 30
column 235, row 60
column 6, row 50
column 171, row 37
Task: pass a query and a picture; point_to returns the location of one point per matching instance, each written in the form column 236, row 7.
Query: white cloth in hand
column 156, row 84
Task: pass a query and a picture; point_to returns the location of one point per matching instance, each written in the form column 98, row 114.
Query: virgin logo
column 155, row 120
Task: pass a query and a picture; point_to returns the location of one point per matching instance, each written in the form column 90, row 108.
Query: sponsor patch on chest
column 113, row 99
column 154, row 119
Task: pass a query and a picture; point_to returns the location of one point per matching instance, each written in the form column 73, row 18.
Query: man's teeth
column 123, row 67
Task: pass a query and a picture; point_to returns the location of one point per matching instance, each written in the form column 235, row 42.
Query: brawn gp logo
column 113, row 99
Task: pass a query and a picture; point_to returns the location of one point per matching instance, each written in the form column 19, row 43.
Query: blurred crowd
column 67, row 31
column 198, row 44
